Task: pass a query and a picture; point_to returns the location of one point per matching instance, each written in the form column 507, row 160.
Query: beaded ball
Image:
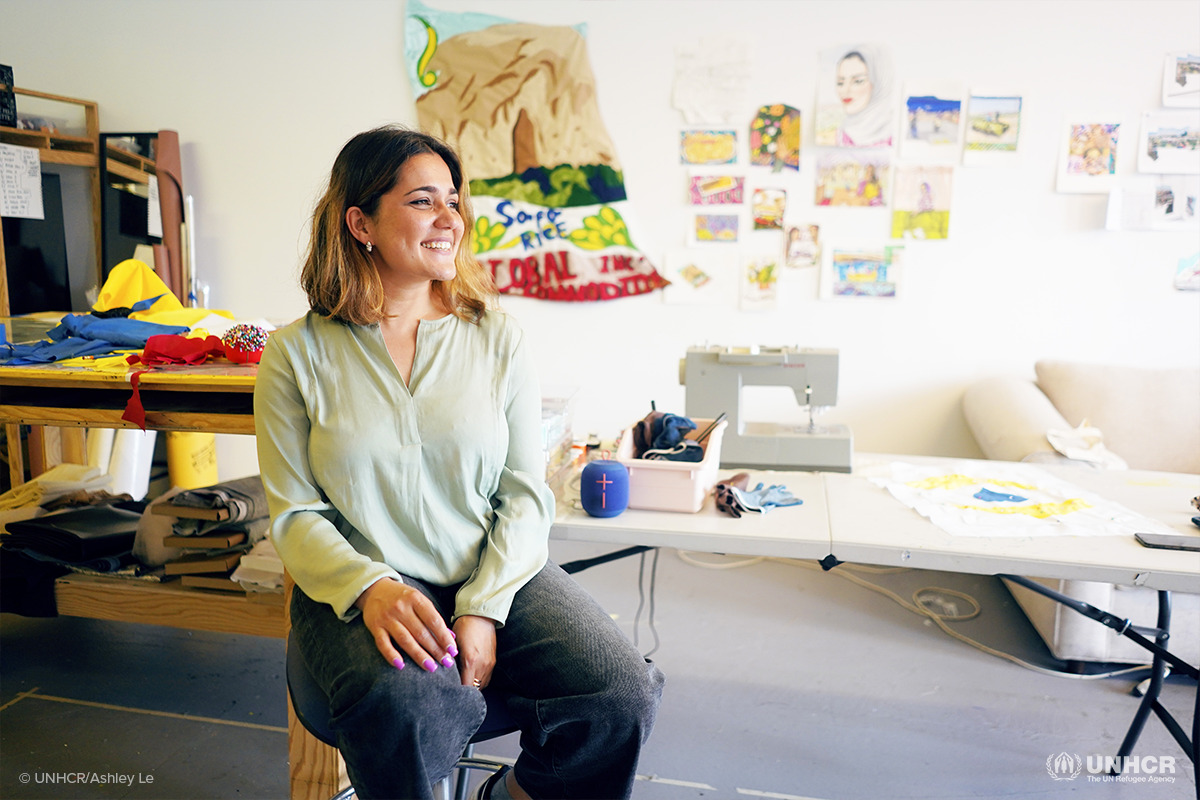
column 244, row 343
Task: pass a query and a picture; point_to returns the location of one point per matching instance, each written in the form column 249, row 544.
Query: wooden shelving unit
column 59, row 148
column 129, row 166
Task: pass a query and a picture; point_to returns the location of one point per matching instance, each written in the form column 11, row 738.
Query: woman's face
column 853, row 84
column 417, row 229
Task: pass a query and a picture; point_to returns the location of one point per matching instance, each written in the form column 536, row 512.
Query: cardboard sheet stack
column 210, row 530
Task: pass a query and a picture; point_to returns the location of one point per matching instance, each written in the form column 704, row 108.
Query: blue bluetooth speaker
column 604, row 488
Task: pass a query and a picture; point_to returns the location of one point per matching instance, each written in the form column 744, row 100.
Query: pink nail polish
column 452, row 636
column 430, row 666
column 452, row 650
column 448, row 662
column 398, row 663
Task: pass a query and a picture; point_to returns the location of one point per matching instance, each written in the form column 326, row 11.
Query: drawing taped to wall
column 545, row 182
column 865, row 273
column 760, row 277
column 1087, row 157
column 702, row 276
column 1181, row 80
column 921, row 203
column 775, row 138
column 708, row 146
column 1187, row 273
column 1169, row 142
column 714, row 190
column 715, row 229
column 853, row 179
column 855, row 97
column 932, row 127
column 802, row 246
column 1154, row 203
column 767, row 207
column 993, row 128
column 711, row 75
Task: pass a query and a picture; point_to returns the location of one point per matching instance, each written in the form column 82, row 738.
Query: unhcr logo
column 1064, row 766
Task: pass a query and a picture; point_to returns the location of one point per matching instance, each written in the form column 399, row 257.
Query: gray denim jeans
column 584, row 697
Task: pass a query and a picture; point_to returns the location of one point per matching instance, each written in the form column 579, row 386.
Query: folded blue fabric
column 24, row 355
column 119, row 331
column 669, row 430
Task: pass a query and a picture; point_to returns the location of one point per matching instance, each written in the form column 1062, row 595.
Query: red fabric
column 166, row 349
column 134, row 412
column 174, row 349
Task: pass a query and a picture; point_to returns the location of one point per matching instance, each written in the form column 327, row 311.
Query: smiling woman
column 399, row 440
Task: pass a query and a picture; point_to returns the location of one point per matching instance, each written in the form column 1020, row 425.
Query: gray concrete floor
column 782, row 682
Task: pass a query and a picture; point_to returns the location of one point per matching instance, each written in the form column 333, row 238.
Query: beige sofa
column 1151, row 418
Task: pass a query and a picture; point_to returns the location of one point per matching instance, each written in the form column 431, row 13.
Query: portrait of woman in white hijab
column 854, row 97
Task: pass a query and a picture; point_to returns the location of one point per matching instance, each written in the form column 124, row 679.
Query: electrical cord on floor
column 917, row 606
column 642, row 602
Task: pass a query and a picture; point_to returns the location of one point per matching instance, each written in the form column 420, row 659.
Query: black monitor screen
column 36, row 253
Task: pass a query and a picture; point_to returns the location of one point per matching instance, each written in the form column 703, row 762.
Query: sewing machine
column 714, row 377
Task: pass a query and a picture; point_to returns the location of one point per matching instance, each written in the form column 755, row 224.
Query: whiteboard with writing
column 20, row 182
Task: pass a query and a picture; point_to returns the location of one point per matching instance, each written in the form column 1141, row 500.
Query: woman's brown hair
column 338, row 276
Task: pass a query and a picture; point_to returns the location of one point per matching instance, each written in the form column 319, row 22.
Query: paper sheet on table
column 1001, row 499
column 20, row 182
column 710, row 80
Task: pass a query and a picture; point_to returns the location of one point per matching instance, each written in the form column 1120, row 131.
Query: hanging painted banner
column 518, row 102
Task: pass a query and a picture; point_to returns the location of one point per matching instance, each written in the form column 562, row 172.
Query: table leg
column 16, row 457
column 1157, row 673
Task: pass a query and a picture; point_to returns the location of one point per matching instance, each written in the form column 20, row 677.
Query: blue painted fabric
column 118, row 331
column 988, row 496
column 44, row 352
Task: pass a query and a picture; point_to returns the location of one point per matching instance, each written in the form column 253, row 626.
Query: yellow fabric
column 177, row 316
column 132, row 281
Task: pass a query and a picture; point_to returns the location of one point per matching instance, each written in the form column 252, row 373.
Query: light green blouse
column 442, row 479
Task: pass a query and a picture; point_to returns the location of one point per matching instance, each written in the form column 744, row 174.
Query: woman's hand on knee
column 476, row 648
column 399, row 616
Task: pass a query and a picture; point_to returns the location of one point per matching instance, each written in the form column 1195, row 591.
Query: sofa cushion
column 1149, row 417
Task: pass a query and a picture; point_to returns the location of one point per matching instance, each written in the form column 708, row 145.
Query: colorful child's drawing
column 716, row 227
column 768, row 206
column 853, row 180
column 933, row 120
column 775, row 138
column 802, row 246
column 759, row 282
column 854, row 97
column 1170, row 143
column 993, row 123
column 1181, row 80
column 708, row 147
column 1092, row 149
column 921, row 202
column 866, row 273
column 709, row 190
column 694, row 276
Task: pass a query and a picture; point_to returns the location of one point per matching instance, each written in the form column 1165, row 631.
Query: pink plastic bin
column 673, row 485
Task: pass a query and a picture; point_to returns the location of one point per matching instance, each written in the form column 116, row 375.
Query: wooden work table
column 215, row 397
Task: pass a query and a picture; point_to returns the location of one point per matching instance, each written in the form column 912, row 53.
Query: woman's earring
column 369, row 246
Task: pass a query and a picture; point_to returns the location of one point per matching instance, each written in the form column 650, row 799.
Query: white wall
column 264, row 92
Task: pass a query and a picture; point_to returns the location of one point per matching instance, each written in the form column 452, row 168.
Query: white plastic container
column 673, row 485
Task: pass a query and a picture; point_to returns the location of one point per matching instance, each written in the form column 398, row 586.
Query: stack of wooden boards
column 215, row 554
